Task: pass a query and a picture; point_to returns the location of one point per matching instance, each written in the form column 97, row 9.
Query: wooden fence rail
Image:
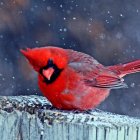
column 32, row 118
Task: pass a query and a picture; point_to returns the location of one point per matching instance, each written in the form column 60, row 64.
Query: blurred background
column 108, row 30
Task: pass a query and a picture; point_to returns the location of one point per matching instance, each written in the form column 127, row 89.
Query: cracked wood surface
column 32, row 118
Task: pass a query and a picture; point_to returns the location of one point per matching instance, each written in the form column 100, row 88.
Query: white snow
column 74, row 18
column 61, row 5
column 48, row 8
column 132, row 85
column 65, row 29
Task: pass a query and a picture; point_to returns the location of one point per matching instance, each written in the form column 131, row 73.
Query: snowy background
column 108, row 30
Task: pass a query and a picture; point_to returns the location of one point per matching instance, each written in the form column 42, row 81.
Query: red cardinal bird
column 74, row 80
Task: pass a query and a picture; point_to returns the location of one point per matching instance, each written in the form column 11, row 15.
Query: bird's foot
column 97, row 110
column 90, row 111
column 77, row 111
column 82, row 111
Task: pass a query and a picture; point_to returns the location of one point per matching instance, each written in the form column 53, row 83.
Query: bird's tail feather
column 128, row 68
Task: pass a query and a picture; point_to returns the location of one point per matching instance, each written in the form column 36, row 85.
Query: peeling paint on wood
column 32, row 118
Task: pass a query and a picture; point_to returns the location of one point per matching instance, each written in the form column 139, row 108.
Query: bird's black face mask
column 50, row 72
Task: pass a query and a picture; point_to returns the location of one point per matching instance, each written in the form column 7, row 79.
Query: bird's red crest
column 38, row 57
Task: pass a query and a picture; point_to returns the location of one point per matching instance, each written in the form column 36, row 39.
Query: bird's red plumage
column 79, row 81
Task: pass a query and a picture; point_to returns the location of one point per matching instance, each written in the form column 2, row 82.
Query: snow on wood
column 32, row 118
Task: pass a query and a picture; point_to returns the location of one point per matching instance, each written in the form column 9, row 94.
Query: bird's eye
column 50, row 62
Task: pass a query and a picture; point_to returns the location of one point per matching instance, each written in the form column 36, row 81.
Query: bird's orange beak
column 48, row 73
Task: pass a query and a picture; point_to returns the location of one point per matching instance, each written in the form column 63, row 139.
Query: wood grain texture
column 32, row 118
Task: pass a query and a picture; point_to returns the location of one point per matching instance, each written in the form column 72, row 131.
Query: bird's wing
column 75, row 56
column 94, row 74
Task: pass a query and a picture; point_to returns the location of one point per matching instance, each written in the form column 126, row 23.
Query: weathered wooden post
column 30, row 118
